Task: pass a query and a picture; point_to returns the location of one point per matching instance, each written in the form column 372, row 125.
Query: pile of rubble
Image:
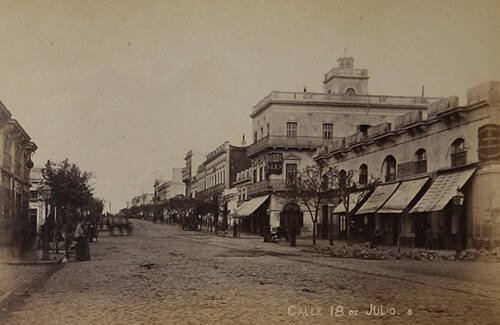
column 391, row 253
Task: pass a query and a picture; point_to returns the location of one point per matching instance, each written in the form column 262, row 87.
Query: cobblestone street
column 163, row 275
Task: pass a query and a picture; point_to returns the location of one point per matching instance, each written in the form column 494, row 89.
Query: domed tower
column 344, row 79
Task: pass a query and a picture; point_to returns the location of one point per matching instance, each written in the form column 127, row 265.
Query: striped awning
column 378, row 198
column 442, row 191
column 249, row 207
column 354, row 198
column 403, row 196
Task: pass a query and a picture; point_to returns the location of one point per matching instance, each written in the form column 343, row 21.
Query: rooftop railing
column 290, row 96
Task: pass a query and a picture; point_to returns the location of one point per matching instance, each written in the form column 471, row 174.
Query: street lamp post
column 458, row 201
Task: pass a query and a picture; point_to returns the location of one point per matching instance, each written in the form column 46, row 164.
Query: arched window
column 363, row 174
column 389, row 169
column 458, row 153
column 342, row 178
column 350, row 91
column 420, row 160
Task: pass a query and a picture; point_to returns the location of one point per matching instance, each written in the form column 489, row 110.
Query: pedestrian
column 235, row 229
column 82, row 244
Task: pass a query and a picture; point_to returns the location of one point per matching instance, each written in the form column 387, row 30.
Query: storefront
column 253, row 215
column 436, row 210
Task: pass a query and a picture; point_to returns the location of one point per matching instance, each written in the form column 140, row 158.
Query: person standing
column 68, row 239
column 82, row 244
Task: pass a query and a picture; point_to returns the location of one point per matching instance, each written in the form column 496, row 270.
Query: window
column 342, row 222
column 291, row 173
column 342, row 178
column 291, row 129
column 327, row 131
column 363, row 128
column 389, row 169
column 34, row 195
column 363, row 174
column 350, row 91
column 261, row 178
column 420, row 159
column 255, row 175
column 458, row 153
column 255, row 137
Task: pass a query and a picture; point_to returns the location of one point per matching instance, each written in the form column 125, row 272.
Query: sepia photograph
column 249, row 162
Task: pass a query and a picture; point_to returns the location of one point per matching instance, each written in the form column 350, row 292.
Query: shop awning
column 353, row 199
column 442, row 190
column 377, row 199
column 247, row 208
column 405, row 193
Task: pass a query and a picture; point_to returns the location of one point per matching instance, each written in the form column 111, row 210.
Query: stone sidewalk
column 20, row 275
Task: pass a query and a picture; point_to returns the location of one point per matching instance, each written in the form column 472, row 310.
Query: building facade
column 16, row 149
column 165, row 190
column 421, row 161
column 290, row 127
column 193, row 159
column 39, row 208
column 219, row 170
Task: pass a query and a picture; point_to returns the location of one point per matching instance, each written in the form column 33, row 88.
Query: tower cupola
column 345, row 79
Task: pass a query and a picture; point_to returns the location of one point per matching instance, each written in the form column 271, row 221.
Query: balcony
column 421, row 167
column 271, row 185
column 458, row 158
column 412, row 168
column 211, row 190
column 356, row 138
column 379, row 129
column 443, row 105
column 408, row 119
column 284, row 142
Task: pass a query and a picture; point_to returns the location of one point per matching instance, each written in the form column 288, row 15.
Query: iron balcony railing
column 270, row 185
column 458, row 159
column 421, row 167
column 283, row 141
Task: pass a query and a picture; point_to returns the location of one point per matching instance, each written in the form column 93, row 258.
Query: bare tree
column 350, row 192
column 312, row 188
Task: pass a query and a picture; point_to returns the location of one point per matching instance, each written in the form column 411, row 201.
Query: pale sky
column 125, row 88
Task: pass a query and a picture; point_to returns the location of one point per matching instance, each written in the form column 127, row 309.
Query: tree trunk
column 315, row 222
column 331, row 230
column 348, row 228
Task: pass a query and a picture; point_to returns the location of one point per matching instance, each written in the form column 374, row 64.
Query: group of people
column 76, row 237
column 82, row 234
